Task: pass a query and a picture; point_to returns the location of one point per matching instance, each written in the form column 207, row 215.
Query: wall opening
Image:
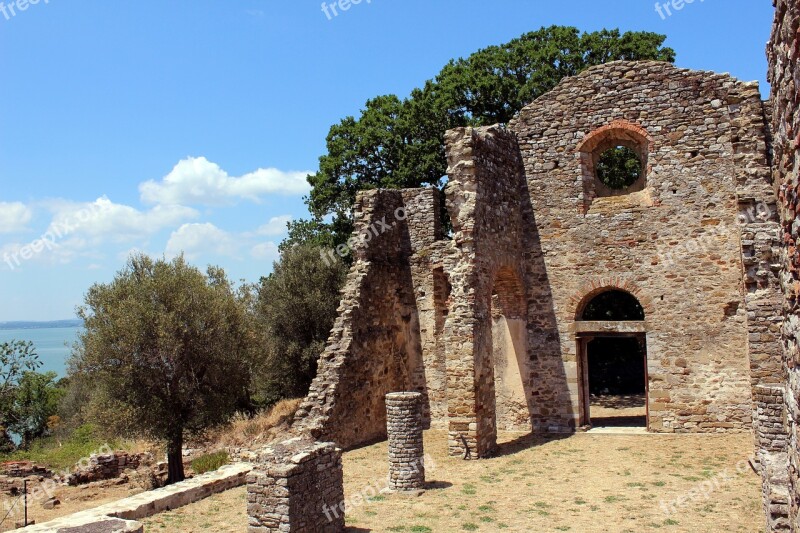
column 617, row 379
column 435, row 407
column 612, row 361
column 619, row 167
column 613, row 305
column 614, row 161
column 509, row 351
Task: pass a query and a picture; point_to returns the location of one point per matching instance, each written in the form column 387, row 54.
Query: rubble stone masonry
column 297, row 487
column 406, row 452
column 783, row 54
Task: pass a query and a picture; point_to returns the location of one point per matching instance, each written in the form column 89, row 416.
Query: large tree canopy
column 400, row 142
column 171, row 345
column 294, row 311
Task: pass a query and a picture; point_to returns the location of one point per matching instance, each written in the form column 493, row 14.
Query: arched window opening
column 618, row 168
column 614, row 161
column 613, row 305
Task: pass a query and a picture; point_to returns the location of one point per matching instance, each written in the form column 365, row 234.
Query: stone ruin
column 491, row 327
column 114, row 465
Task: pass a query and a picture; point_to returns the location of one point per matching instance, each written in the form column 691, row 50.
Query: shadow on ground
column 621, row 401
column 529, row 440
column 619, row 421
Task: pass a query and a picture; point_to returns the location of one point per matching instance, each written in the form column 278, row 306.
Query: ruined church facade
column 489, row 324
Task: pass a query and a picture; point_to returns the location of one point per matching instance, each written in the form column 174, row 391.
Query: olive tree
column 169, row 344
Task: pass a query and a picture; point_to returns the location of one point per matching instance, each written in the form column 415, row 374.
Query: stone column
column 404, row 427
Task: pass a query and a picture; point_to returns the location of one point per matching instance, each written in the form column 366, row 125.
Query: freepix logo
column 333, row 9
column 10, row 10
column 665, row 9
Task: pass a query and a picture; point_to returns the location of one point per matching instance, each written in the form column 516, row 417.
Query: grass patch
column 210, row 462
column 469, row 526
column 64, row 454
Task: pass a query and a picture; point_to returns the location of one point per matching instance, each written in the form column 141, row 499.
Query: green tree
column 619, row 167
column 171, row 345
column 16, row 358
column 295, row 307
column 400, row 142
column 35, row 401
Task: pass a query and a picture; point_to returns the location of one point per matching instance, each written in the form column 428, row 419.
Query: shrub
column 209, row 462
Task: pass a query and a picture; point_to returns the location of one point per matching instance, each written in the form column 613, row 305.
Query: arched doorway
column 612, row 360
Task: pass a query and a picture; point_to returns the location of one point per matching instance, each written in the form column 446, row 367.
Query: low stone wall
column 13, row 476
column 297, row 486
column 772, row 456
column 107, row 466
column 24, row 469
column 121, row 515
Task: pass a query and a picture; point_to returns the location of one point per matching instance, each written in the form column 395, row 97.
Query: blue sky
column 190, row 125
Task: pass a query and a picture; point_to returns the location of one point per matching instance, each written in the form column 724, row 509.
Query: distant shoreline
column 53, row 324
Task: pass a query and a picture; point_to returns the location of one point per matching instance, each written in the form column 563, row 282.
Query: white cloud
column 275, row 226
column 82, row 230
column 195, row 240
column 103, row 220
column 14, row 216
column 266, row 251
column 198, row 181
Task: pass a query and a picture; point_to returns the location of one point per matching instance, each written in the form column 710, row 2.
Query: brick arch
column 588, row 291
column 591, row 148
column 615, row 131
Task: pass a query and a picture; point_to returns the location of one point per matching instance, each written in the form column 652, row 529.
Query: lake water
column 53, row 345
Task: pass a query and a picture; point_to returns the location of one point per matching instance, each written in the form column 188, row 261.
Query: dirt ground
column 583, row 483
column 73, row 499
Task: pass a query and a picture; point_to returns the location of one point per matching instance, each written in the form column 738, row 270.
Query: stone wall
column 487, row 204
column 783, row 54
column 672, row 240
column 771, row 455
column 107, row 466
column 376, row 345
column 119, row 515
column 486, row 324
column 297, row 487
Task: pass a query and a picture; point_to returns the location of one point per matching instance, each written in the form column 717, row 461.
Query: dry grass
column 220, row 513
column 584, row 483
column 251, row 432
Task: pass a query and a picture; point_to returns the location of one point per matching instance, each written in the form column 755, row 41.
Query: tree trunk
column 175, row 459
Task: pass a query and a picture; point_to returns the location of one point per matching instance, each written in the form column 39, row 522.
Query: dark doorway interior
column 617, row 381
